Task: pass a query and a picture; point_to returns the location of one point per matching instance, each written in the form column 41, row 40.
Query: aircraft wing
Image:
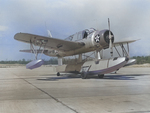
column 123, row 42
column 51, row 43
column 31, row 51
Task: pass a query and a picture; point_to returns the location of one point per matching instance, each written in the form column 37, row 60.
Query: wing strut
column 80, row 58
column 41, row 43
column 98, row 55
column 124, row 51
column 36, row 63
column 60, row 61
column 117, row 51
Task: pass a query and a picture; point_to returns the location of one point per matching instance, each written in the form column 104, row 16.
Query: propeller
column 110, row 40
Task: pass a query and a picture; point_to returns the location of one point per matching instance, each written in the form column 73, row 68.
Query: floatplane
column 87, row 40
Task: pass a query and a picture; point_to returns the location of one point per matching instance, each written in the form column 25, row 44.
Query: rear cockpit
column 80, row 35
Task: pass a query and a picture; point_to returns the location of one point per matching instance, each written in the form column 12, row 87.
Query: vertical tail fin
column 49, row 33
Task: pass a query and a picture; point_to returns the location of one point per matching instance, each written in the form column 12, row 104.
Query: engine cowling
column 101, row 38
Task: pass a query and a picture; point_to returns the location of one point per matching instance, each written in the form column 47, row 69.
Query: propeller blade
column 109, row 29
column 110, row 40
column 111, row 48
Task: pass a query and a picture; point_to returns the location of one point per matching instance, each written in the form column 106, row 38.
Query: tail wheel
column 83, row 75
column 101, row 75
column 58, row 74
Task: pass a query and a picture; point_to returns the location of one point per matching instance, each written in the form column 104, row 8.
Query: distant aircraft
column 82, row 42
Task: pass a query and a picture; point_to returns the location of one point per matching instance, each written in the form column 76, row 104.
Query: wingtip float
column 35, row 64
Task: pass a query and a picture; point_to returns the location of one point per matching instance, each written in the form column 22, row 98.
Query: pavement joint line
column 48, row 94
column 57, row 100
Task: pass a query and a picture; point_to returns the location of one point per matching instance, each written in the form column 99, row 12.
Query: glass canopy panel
column 80, row 35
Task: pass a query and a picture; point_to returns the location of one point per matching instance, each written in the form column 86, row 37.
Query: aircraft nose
column 106, row 36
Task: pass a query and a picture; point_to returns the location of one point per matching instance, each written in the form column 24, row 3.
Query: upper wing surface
column 123, row 42
column 51, row 43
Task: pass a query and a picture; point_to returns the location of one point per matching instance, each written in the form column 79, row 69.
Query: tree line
column 54, row 61
column 142, row 59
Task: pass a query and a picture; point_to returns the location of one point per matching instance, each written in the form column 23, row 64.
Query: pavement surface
column 41, row 91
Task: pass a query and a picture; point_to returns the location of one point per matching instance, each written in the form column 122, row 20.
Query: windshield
column 80, row 35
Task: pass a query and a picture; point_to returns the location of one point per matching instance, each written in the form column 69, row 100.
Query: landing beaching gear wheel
column 58, row 74
column 101, row 75
column 83, row 75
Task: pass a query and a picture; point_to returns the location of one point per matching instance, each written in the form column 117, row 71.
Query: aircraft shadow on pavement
column 106, row 77
column 60, row 77
column 122, row 77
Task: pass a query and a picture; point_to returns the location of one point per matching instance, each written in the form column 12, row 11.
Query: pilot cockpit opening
column 80, row 35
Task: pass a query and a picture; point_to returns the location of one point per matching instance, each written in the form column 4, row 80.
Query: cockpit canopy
column 80, row 35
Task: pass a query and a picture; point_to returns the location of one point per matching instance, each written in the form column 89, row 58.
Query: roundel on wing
column 97, row 38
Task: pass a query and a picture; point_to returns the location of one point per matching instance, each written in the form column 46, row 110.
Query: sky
column 129, row 19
